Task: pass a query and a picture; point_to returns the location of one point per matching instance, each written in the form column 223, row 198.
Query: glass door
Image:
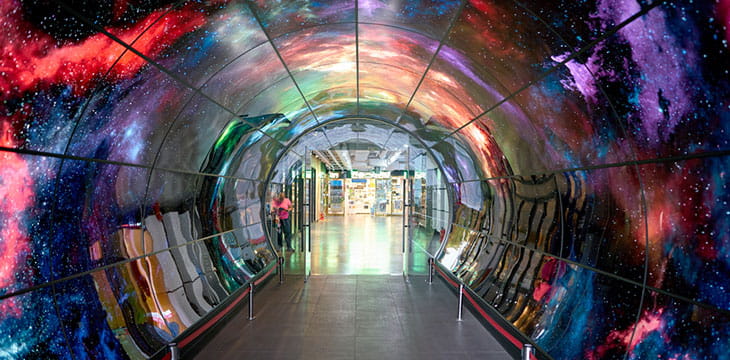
column 407, row 192
column 307, row 196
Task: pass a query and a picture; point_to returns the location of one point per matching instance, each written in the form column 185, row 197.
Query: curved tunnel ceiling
column 336, row 141
column 116, row 114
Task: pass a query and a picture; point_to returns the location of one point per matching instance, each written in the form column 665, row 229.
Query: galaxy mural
column 584, row 144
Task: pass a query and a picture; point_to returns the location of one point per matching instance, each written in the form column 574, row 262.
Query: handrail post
column 430, row 270
column 528, row 351
column 174, row 351
column 250, row 301
column 461, row 301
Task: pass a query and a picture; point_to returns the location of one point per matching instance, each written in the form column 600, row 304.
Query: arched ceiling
column 542, row 87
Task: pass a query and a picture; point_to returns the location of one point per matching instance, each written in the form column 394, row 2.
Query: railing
column 515, row 343
column 174, row 349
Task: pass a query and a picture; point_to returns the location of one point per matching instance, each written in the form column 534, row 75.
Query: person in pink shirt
column 280, row 207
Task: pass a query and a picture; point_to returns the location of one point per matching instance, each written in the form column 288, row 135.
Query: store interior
column 364, row 193
column 354, row 199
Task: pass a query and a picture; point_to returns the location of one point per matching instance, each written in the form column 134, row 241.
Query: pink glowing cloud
column 16, row 194
column 650, row 322
column 33, row 60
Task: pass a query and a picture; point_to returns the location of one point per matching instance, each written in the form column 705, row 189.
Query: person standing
column 281, row 206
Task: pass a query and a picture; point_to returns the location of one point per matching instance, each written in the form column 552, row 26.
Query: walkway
column 354, row 317
column 372, row 245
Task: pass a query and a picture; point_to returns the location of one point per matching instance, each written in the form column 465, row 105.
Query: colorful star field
column 585, row 142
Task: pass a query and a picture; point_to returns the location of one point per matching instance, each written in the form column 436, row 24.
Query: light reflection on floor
column 355, row 244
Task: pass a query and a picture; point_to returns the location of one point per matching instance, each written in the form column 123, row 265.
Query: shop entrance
column 366, row 193
column 362, row 202
column 360, row 228
column 360, row 197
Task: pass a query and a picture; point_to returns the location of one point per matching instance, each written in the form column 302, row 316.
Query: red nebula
column 32, row 60
column 494, row 25
column 16, row 197
column 650, row 322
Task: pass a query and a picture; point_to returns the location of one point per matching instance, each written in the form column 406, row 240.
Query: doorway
column 355, row 203
column 347, row 226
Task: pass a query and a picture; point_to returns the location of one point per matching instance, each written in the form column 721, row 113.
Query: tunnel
column 579, row 150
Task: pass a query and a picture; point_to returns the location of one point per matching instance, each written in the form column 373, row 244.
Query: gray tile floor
column 354, row 317
column 372, row 246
